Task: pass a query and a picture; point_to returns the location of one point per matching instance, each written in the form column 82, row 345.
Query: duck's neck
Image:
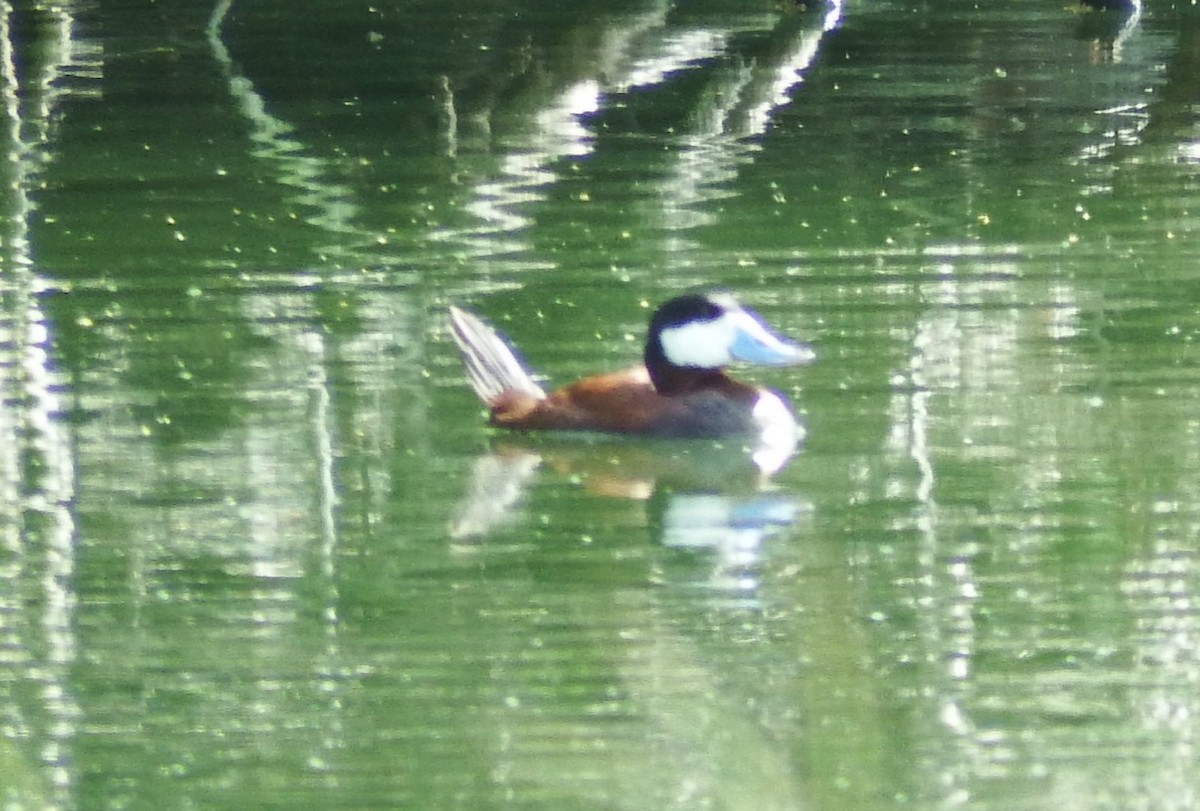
column 670, row 380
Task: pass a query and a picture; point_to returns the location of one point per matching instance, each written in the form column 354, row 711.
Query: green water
column 258, row 549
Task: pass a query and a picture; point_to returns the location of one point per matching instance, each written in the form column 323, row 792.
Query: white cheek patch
column 700, row 344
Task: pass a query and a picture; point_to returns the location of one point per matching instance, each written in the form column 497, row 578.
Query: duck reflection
column 701, row 497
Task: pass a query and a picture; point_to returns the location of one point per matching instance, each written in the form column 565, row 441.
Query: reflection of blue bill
column 729, row 524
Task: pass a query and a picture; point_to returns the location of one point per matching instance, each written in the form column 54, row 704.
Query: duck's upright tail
column 492, row 366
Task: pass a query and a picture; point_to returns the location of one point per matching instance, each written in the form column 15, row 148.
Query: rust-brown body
column 626, row 402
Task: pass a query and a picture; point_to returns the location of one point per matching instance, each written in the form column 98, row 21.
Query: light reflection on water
column 710, row 501
column 255, row 548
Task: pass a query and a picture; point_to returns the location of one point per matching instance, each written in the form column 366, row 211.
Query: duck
column 681, row 390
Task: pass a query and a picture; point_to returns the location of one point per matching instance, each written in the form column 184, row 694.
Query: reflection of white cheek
column 699, row 344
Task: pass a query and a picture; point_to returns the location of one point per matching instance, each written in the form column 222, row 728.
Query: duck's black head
column 701, row 333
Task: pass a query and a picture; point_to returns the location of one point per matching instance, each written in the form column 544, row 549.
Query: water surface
column 258, row 549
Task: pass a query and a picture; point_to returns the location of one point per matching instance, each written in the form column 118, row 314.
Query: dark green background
column 257, row 548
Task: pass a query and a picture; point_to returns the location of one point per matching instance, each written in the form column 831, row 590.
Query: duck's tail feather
column 492, row 366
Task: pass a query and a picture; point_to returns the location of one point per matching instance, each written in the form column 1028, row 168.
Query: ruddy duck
column 680, row 391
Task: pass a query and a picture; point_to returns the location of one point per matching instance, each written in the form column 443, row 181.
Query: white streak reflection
column 669, row 54
column 741, row 95
column 1161, row 587
column 37, row 459
column 275, row 143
